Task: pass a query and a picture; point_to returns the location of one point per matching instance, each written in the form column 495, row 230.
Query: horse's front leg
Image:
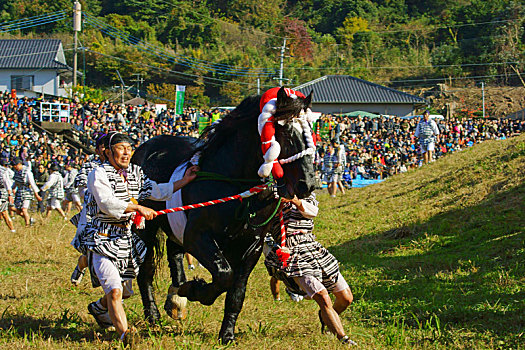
column 236, row 294
column 207, row 252
column 175, row 305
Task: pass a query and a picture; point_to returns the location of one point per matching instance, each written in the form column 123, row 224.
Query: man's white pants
column 109, row 277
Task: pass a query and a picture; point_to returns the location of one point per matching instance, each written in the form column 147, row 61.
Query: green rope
column 269, row 219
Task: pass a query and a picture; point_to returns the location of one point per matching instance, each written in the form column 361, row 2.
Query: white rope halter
column 307, row 131
column 272, row 154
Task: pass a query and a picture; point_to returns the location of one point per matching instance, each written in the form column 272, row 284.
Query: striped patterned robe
column 5, row 183
column 55, row 186
column 69, row 182
column 426, row 131
column 308, row 257
column 82, row 175
column 24, row 190
column 80, row 221
column 108, row 232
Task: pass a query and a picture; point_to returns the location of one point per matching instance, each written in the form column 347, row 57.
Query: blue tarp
column 362, row 183
column 359, row 181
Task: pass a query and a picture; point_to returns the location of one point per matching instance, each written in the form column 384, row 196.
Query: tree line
column 223, row 50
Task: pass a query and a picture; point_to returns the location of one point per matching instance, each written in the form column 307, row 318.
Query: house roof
column 138, row 101
column 32, row 54
column 348, row 89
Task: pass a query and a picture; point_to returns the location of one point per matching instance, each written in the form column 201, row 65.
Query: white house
column 33, row 67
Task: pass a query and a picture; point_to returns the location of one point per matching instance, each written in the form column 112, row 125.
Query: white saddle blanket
column 178, row 219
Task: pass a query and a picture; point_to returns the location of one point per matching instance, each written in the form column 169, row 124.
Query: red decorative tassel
column 277, row 171
column 139, row 221
column 283, row 254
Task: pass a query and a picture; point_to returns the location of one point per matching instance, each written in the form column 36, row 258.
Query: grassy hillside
column 435, row 258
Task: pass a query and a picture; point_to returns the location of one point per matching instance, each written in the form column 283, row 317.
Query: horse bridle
column 310, row 145
column 271, row 148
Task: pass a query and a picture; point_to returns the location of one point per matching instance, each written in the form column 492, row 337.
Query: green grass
column 435, row 259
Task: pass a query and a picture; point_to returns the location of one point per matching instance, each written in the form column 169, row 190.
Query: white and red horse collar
column 270, row 147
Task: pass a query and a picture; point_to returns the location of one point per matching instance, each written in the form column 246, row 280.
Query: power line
column 33, row 53
column 175, row 72
column 455, row 41
column 449, row 78
column 429, row 85
column 461, row 25
column 33, row 18
column 110, row 30
column 30, row 24
column 178, row 59
column 406, row 67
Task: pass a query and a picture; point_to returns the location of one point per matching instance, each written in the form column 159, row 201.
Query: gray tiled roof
column 32, row 54
column 347, row 89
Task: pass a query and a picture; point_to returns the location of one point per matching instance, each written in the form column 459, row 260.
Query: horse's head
column 293, row 135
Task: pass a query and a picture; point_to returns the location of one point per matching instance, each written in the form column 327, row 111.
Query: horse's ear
column 281, row 95
column 308, row 100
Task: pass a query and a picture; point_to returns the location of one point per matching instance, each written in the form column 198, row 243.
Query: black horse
column 225, row 238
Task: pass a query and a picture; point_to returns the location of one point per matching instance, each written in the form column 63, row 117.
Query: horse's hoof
column 175, row 305
column 152, row 315
column 228, row 340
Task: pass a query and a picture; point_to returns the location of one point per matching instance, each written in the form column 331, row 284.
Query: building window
column 22, row 82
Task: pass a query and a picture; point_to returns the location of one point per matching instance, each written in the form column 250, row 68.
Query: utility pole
column 258, row 86
column 281, row 68
column 122, row 85
column 77, row 27
column 483, row 96
column 283, row 49
column 139, row 80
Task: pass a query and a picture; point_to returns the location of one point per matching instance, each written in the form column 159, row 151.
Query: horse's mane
column 240, row 118
column 217, row 133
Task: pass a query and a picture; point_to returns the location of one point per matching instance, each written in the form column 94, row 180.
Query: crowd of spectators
column 21, row 138
column 374, row 148
column 140, row 122
column 379, row 147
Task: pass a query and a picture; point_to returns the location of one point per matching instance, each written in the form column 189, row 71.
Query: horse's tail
column 153, row 235
column 159, row 242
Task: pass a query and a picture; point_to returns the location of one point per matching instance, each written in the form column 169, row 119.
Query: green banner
column 215, row 117
column 179, row 99
column 203, row 123
column 323, row 129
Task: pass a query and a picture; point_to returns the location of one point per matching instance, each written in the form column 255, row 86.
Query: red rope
column 283, row 253
column 138, row 220
column 239, row 196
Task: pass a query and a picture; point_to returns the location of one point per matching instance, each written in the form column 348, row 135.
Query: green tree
column 351, row 26
column 166, row 92
column 196, row 97
column 232, row 93
column 188, row 26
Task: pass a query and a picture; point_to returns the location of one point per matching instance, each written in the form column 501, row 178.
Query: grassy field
column 435, row 258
